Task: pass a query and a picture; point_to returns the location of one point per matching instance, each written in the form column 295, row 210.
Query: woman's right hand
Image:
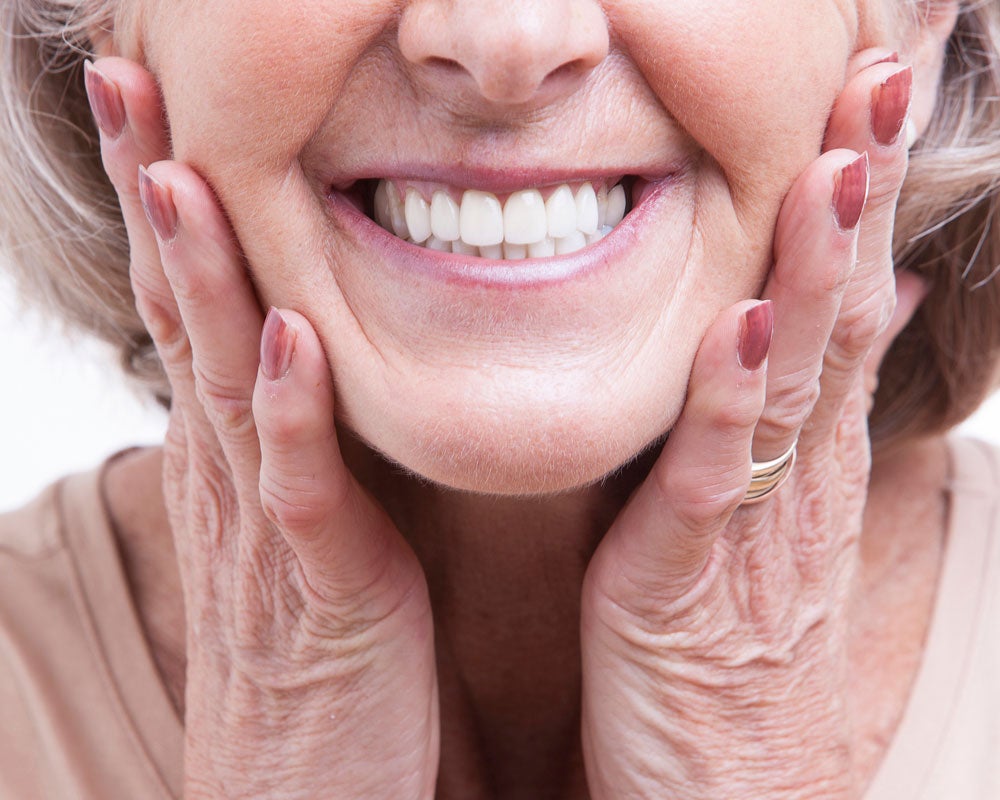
column 310, row 649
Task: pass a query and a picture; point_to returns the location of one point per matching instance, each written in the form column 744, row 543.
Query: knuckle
column 853, row 340
column 733, row 419
column 703, row 499
column 813, row 521
column 163, row 323
column 229, row 408
column 886, row 182
column 296, row 509
column 170, row 337
column 860, row 324
column 790, row 406
column 706, row 514
column 729, row 415
column 287, row 425
column 146, row 276
column 190, row 286
column 303, row 506
column 212, row 509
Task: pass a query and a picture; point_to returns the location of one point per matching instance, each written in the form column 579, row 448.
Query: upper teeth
column 525, row 225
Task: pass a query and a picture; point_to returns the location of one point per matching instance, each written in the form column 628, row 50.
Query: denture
column 530, row 223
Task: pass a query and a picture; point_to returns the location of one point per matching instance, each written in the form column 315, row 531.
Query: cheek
column 751, row 81
column 247, row 84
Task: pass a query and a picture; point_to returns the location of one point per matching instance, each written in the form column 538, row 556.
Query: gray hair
column 62, row 234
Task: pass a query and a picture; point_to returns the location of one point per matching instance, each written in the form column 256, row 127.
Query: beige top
column 84, row 713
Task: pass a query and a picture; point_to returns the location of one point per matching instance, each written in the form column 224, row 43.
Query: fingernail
column 159, row 205
column 277, row 344
column 850, row 192
column 891, row 105
column 105, row 101
column 756, row 329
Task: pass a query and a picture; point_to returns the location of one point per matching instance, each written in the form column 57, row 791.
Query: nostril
column 511, row 51
column 571, row 69
column 566, row 73
column 445, row 64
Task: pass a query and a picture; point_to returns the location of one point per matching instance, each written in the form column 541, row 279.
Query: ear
column 925, row 50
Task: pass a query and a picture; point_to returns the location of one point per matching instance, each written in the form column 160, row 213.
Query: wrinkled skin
column 705, row 628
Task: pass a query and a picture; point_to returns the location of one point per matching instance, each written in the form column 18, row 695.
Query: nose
column 510, row 52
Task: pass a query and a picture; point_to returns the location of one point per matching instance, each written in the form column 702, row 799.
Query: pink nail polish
column 891, row 106
column 277, row 345
column 850, row 192
column 159, row 206
column 756, row 330
column 105, row 101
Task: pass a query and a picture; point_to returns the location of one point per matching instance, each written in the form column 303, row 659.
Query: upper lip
column 497, row 179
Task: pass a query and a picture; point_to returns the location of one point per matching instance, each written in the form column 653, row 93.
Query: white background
column 64, row 405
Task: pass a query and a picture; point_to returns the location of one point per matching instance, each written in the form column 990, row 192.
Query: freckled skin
column 504, row 390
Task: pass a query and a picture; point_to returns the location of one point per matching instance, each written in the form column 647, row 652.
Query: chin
column 541, row 447
column 522, row 463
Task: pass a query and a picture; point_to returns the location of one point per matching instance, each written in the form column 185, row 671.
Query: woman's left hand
column 714, row 636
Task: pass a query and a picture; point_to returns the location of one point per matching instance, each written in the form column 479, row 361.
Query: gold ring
column 767, row 476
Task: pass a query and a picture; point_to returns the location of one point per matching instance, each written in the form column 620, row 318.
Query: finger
column 220, row 312
column 871, row 113
column 126, row 104
column 815, row 246
column 343, row 541
column 663, row 538
column 127, row 108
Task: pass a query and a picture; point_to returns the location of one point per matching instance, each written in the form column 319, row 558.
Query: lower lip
column 462, row 270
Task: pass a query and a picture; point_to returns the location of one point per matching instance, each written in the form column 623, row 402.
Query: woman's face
column 505, row 375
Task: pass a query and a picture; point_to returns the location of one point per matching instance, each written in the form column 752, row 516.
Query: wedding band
column 767, row 476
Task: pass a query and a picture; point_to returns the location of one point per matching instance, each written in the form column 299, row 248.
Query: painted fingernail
column 105, row 101
column 159, row 205
column 850, row 192
column 277, row 344
column 891, row 106
column 756, row 329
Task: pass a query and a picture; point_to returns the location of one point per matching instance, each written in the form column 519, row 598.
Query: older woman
column 519, row 358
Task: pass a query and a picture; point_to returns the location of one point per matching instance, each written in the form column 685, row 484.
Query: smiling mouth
column 529, row 223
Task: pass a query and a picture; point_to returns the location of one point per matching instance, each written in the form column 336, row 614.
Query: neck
column 505, row 576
